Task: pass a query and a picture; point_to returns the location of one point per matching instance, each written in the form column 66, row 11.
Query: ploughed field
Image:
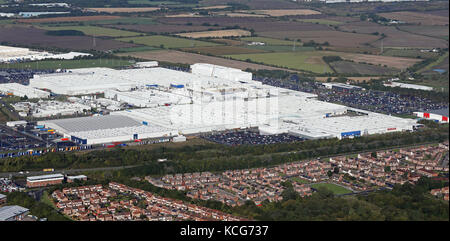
column 174, row 56
column 38, row 37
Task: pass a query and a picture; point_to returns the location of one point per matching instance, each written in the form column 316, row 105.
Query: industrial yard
column 210, row 98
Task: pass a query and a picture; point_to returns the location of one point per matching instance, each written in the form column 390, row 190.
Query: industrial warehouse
column 169, row 103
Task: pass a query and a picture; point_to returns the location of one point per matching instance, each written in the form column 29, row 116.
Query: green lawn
column 332, row 187
column 301, row 60
column 68, row 64
column 299, row 180
column 270, row 41
column 94, row 30
column 168, row 42
column 47, row 199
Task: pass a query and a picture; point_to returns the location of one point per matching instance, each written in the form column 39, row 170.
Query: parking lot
column 12, row 140
column 7, row 185
column 250, row 138
column 21, row 76
column 371, row 100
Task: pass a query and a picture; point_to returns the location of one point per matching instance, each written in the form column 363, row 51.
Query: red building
column 45, row 180
column 2, row 199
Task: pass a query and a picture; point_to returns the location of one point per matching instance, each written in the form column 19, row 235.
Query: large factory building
column 105, row 129
column 212, row 98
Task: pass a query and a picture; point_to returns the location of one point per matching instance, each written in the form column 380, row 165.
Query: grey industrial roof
column 95, row 123
column 8, row 212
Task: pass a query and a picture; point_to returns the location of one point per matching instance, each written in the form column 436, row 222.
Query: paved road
column 445, row 160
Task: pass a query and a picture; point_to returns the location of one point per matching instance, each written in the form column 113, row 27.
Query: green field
column 332, row 187
column 280, row 48
column 69, row 64
column 168, row 42
column 303, row 60
column 270, row 41
column 440, row 60
column 93, row 30
column 136, row 49
column 321, row 21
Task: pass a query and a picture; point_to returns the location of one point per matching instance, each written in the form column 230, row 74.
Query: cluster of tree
column 373, row 17
column 404, row 202
column 64, row 33
column 422, row 64
column 329, row 59
column 312, row 43
column 215, row 157
column 38, row 209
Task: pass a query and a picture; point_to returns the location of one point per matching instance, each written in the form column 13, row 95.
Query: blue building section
column 78, row 140
column 350, row 133
column 145, row 123
column 154, row 85
column 176, row 86
column 440, row 71
column 135, row 136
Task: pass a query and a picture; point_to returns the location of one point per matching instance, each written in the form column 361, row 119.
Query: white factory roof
column 408, row 86
column 97, row 80
column 8, row 212
column 92, row 123
column 146, row 64
column 104, row 129
column 44, row 177
column 8, row 54
column 223, row 72
column 203, row 103
column 76, row 177
column 124, row 131
column 23, row 90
